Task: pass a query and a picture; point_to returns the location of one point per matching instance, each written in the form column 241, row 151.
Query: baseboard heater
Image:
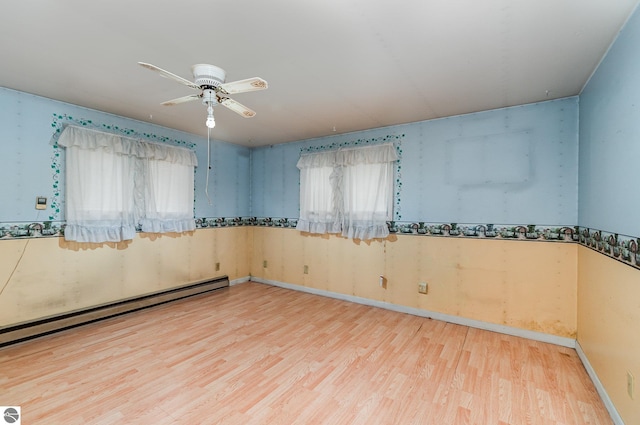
column 32, row 329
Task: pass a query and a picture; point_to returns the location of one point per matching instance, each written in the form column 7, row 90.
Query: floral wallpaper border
column 620, row 247
column 623, row 248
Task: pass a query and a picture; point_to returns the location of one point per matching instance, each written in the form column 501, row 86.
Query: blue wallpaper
column 515, row 166
column 228, row 181
column 610, row 138
column 275, row 181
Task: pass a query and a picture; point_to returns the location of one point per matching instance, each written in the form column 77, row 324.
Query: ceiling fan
column 209, row 80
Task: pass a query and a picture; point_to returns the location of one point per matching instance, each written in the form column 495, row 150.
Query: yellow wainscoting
column 41, row 277
column 527, row 285
column 608, row 323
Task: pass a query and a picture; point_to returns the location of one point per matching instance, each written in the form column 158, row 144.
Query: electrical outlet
column 217, row 267
column 630, row 384
column 306, row 269
column 264, row 264
column 422, row 287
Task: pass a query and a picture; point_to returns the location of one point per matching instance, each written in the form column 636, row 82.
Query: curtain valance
column 85, row 138
column 376, row 154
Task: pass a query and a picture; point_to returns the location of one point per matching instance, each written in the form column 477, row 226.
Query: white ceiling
column 333, row 66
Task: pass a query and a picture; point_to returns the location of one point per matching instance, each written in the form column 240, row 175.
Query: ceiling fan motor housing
column 208, row 75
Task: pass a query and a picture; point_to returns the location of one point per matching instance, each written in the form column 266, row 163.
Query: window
column 114, row 183
column 349, row 191
column 317, row 207
column 168, row 197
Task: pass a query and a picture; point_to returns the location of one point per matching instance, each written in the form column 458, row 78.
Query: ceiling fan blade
column 241, row 86
column 237, row 107
column 170, row 75
column 181, row 100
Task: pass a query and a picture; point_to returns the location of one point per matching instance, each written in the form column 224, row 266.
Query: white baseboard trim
column 615, row 416
column 508, row 330
column 239, row 280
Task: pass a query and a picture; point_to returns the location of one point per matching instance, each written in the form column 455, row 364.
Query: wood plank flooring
column 257, row 354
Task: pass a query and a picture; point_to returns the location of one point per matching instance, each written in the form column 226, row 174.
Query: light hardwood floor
column 257, row 354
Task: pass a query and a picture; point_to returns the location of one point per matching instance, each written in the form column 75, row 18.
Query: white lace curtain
column 114, row 183
column 348, row 191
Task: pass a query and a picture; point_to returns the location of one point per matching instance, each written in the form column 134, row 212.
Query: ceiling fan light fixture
column 211, row 122
column 210, row 81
